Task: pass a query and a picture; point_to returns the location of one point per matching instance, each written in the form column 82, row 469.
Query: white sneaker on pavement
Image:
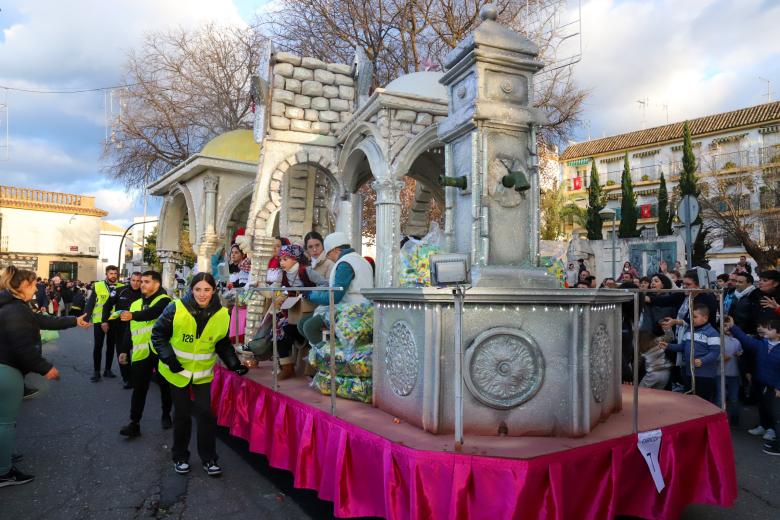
column 758, row 430
column 769, row 435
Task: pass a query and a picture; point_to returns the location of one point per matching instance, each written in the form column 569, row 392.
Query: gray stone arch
column 176, row 206
column 240, row 195
column 362, row 144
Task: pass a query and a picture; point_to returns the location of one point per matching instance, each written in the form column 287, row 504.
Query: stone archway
column 177, row 208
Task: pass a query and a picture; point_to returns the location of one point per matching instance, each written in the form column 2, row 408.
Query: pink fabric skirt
column 237, row 323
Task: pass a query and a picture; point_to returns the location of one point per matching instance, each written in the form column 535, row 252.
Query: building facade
column 110, row 244
column 49, row 232
column 740, row 148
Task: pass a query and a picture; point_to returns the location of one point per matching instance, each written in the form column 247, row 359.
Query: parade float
column 507, row 404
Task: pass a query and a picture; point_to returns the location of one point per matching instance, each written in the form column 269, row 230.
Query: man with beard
column 121, row 301
column 101, row 291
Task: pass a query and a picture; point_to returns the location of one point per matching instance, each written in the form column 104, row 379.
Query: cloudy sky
column 692, row 58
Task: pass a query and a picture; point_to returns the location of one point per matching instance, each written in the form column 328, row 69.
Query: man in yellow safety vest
column 142, row 315
column 101, row 291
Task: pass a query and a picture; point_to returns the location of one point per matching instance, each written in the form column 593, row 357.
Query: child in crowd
column 767, row 355
column 732, row 349
column 657, row 367
column 706, row 353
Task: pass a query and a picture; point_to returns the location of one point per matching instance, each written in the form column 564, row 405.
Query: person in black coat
column 20, row 353
column 121, row 300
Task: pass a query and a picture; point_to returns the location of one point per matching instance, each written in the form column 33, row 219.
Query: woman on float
column 315, row 250
column 188, row 336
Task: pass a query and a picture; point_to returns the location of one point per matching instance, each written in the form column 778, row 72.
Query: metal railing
column 651, row 172
column 769, row 155
column 690, row 294
column 331, row 335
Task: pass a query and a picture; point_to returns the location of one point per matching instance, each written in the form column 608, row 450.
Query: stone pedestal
column 536, row 362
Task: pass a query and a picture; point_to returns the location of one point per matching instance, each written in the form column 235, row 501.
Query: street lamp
column 606, row 214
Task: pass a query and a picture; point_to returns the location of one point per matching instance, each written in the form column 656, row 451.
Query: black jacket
column 675, row 299
column 120, row 300
column 79, row 301
column 745, row 311
column 151, row 313
column 766, row 313
column 20, row 334
column 163, row 331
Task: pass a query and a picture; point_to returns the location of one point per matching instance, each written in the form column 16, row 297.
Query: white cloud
column 698, row 57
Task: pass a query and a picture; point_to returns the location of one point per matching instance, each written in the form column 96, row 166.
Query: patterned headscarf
column 294, row 251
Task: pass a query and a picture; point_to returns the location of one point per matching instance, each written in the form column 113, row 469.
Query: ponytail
column 11, row 278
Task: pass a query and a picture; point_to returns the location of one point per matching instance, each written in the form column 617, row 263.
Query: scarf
column 739, row 295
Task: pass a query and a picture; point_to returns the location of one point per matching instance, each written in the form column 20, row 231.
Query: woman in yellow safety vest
column 188, row 336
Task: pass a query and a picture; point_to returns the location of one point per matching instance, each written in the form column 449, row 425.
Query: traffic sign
column 695, row 230
column 688, row 209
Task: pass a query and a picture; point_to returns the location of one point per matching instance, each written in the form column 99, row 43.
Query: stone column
column 388, row 230
column 348, row 219
column 210, row 240
column 169, row 259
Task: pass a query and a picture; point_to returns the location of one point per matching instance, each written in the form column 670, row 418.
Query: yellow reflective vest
column 195, row 353
column 101, row 297
column 141, row 331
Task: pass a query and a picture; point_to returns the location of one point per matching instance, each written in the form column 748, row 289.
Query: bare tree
column 726, row 200
column 403, row 36
column 184, row 88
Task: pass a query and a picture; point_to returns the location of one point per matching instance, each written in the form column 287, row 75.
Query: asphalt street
column 85, row 470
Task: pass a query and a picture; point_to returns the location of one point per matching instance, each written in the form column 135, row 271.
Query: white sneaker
column 758, row 430
column 769, row 435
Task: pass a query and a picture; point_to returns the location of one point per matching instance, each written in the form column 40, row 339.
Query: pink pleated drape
column 364, row 474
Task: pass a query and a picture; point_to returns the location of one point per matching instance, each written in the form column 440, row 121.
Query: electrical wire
column 73, row 91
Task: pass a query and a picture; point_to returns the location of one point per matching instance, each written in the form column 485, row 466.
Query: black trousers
column 110, row 338
column 142, row 373
column 766, row 403
column 706, row 388
column 183, row 410
column 123, row 346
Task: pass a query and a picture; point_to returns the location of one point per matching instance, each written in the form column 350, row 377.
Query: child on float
column 767, row 355
column 706, row 353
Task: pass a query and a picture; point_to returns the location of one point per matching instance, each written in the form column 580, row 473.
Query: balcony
column 646, row 173
column 728, row 161
column 4, row 244
column 769, row 155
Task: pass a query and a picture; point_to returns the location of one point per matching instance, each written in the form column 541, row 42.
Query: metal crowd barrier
column 331, row 335
column 690, row 296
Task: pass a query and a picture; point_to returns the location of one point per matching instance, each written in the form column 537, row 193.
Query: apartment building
column 49, row 232
column 744, row 142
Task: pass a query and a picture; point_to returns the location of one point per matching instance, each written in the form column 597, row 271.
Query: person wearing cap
column 351, row 273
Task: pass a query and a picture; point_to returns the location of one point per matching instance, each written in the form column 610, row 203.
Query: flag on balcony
column 646, row 211
column 577, row 183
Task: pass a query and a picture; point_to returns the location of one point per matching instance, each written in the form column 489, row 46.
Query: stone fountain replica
column 538, row 360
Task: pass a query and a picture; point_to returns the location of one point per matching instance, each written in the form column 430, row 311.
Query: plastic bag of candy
column 354, row 323
column 350, row 361
column 347, row 387
column 415, row 258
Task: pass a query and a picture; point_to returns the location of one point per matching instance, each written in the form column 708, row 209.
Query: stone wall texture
column 309, row 95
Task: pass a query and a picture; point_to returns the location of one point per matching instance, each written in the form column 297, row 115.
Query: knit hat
column 293, row 251
column 334, row 240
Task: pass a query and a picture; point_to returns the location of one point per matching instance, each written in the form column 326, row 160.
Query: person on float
column 120, row 301
column 239, row 268
column 351, row 272
column 315, row 250
column 101, row 291
column 273, row 271
column 296, row 274
column 188, row 336
column 20, row 353
column 142, row 316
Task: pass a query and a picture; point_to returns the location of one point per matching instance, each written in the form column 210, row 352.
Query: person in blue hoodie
column 767, row 352
column 706, row 353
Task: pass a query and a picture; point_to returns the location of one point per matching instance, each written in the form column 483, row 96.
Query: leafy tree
column 150, row 251
column 628, row 209
column 597, row 199
column 664, row 226
column 553, row 209
column 688, row 183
